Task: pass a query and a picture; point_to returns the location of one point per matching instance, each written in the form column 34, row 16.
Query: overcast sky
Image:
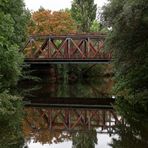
column 54, row 4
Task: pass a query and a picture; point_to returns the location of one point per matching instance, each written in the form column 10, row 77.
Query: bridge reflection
column 70, row 95
column 47, row 124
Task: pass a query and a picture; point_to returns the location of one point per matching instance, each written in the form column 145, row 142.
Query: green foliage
column 98, row 27
column 84, row 12
column 82, row 139
column 132, row 110
column 133, row 131
column 16, row 12
column 128, row 39
column 10, row 61
column 95, row 27
column 10, row 107
column 130, row 137
column 10, row 119
column 13, row 20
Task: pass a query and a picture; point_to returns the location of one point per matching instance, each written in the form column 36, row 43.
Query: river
column 78, row 114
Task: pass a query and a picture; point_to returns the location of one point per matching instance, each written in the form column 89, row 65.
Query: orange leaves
column 46, row 22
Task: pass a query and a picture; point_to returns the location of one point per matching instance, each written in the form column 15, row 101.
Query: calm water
column 67, row 127
column 70, row 127
column 71, row 112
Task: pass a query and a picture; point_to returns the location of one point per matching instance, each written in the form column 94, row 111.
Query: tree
column 84, row 12
column 13, row 19
column 20, row 16
column 10, row 121
column 95, row 27
column 83, row 139
column 128, row 41
column 33, row 120
column 46, row 22
column 133, row 131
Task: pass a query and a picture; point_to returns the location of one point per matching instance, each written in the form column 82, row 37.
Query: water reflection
column 10, row 121
column 55, row 125
column 130, row 137
column 133, row 131
column 80, row 94
column 124, row 126
column 59, row 89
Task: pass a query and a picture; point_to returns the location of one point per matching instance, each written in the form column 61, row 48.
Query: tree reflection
column 84, row 139
column 36, row 128
column 101, row 88
column 55, row 125
column 133, row 132
column 10, row 121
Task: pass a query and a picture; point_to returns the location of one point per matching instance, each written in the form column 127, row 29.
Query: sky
column 103, row 141
column 54, row 4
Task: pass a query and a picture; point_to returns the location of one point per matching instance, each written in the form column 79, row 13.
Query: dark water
column 67, row 127
column 72, row 112
column 72, row 125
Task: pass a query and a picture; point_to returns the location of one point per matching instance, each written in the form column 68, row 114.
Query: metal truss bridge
column 77, row 48
column 71, row 120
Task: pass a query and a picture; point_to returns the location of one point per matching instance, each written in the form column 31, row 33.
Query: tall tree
column 20, row 16
column 128, row 39
column 13, row 20
column 84, row 12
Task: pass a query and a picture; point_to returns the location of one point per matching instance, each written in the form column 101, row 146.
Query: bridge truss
column 69, row 48
column 72, row 120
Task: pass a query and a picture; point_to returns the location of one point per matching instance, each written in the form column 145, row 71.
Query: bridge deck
column 56, row 61
column 70, row 102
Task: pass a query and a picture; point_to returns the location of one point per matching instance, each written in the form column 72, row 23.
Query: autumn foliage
column 45, row 22
column 36, row 127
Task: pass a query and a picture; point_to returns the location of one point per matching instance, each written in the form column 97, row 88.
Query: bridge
column 84, row 48
column 40, row 120
column 73, row 102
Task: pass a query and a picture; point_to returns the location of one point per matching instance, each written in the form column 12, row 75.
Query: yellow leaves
column 47, row 22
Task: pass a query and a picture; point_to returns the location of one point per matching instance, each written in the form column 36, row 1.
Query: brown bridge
column 73, row 102
column 83, row 48
column 54, row 125
column 71, row 120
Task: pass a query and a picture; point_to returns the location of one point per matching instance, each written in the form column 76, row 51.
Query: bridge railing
column 73, row 119
column 66, row 47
